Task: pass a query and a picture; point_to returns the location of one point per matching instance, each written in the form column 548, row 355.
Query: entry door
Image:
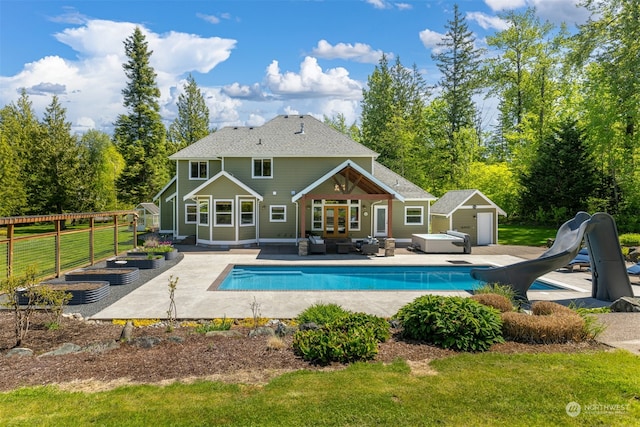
column 380, row 221
column 336, row 224
column 485, row 228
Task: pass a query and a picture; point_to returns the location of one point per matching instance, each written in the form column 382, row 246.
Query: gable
column 231, row 185
column 455, row 199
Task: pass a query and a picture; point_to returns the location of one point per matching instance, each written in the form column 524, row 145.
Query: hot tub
column 442, row 243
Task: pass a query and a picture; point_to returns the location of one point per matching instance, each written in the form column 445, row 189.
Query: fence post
column 115, row 234
column 91, row 240
column 10, row 250
column 57, row 223
column 135, row 231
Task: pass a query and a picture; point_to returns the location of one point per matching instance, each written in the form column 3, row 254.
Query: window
column 278, row 213
column 191, row 213
column 354, row 215
column 262, row 168
column 317, row 215
column 223, row 213
column 246, row 213
column 198, row 170
column 203, row 213
column 413, row 215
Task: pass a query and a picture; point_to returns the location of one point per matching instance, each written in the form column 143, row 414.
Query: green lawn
column 467, row 389
column 525, row 235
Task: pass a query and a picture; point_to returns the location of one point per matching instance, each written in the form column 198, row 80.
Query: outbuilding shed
column 467, row 211
column 148, row 216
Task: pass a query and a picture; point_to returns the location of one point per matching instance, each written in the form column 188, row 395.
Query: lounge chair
column 634, row 270
column 581, row 260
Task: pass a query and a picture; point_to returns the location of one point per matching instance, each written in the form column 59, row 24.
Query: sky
column 252, row 60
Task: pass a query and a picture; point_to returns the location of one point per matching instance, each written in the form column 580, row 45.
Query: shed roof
column 283, row 136
column 150, row 208
column 454, row 199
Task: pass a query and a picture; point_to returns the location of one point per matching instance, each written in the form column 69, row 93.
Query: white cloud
column 430, row 39
column 359, row 52
column 312, row 81
column 212, row 19
column 498, row 5
column 404, row 6
column 487, row 21
column 378, row 4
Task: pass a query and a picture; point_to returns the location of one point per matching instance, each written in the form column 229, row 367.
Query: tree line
column 564, row 138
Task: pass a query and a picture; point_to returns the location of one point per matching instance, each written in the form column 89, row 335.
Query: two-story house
column 281, row 181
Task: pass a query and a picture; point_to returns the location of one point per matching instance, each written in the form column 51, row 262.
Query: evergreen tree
column 140, row 134
column 58, row 157
column 19, row 127
column 459, row 62
column 192, row 122
column 561, row 179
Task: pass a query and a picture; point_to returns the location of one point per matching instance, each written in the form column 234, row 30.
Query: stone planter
column 115, row 276
column 141, row 262
column 81, row 292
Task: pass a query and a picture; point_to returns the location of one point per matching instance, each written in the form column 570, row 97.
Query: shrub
column 499, row 302
column 543, row 329
column 349, row 338
column 321, row 314
column 451, row 322
column 497, row 288
column 630, row 239
column 223, row 324
column 547, row 308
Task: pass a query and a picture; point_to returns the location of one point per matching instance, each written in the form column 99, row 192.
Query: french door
column 336, row 221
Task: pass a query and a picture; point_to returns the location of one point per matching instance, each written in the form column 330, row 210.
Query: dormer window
column 262, row 168
column 198, row 170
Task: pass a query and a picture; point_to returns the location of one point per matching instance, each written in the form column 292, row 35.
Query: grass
column 467, row 389
column 525, row 235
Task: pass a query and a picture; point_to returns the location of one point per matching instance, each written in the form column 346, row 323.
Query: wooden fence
column 54, row 244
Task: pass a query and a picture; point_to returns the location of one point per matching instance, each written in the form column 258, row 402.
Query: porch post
column 303, row 216
column 389, row 215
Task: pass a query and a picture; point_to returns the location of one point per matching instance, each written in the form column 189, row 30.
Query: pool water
column 354, row 278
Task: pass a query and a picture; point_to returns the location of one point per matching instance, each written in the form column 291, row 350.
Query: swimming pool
column 353, row 278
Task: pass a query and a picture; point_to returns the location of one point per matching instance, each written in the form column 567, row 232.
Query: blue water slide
column 609, row 276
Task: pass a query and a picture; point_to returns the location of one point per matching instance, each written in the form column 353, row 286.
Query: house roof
column 284, row 136
column 232, row 178
column 157, row 196
column 149, row 207
column 454, row 199
column 380, row 186
column 408, row 189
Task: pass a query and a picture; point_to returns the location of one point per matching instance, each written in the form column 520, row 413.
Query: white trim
column 215, row 212
column 284, row 207
column 199, row 178
column 253, row 169
column 226, row 242
column 186, row 215
column 491, row 205
column 170, row 196
column 232, row 178
column 421, row 215
column 242, row 199
column 337, row 169
column 283, row 240
column 200, row 202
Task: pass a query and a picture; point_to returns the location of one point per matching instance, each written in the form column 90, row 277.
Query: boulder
column 626, row 305
column 263, row 331
column 228, row 334
column 146, row 342
column 19, row 352
column 66, row 348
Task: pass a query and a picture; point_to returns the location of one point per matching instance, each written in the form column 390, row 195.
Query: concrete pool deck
column 200, row 267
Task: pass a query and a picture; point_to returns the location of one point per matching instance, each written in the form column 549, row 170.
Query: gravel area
column 117, row 292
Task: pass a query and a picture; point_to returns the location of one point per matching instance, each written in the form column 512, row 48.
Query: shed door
column 485, row 228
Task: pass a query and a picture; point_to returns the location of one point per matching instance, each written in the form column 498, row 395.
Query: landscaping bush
column 321, row 314
column 499, row 302
column 352, row 337
column 451, row 322
column 547, row 308
column 630, row 239
column 543, row 329
column 497, row 288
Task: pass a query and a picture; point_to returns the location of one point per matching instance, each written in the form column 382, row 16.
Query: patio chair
column 581, row 260
column 317, row 245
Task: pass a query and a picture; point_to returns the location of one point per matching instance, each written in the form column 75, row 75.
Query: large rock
column 66, row 348
column 146, row 342
column 626, row 305
column 19, row 352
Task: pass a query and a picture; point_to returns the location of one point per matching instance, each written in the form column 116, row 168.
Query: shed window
column 413, row 215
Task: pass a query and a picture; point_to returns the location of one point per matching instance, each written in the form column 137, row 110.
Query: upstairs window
column 198, row 170
column 262, row 168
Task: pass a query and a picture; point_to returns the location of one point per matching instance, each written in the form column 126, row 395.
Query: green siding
column 439, row 224
column 400, row 230
column 167, row 208
column 476, row 200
